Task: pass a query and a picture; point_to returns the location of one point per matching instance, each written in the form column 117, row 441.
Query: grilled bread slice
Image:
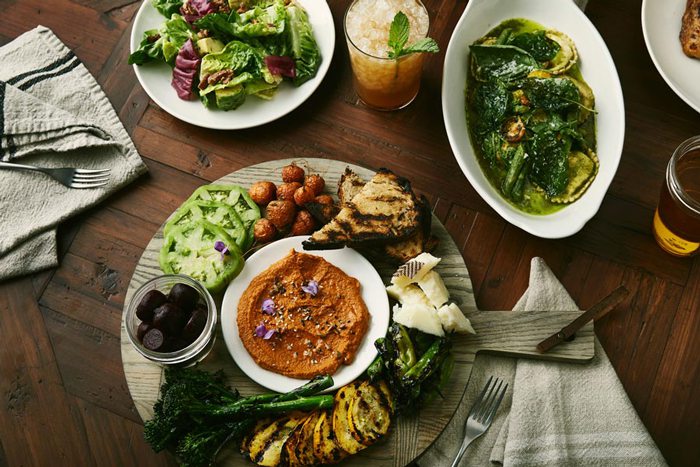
column 350, row 185
column 384, row 210
column 690, row 29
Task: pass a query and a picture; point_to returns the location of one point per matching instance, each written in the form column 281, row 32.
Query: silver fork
column 482, row 413
column 70, row 177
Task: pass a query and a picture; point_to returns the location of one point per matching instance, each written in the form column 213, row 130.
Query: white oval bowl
column 598, row 69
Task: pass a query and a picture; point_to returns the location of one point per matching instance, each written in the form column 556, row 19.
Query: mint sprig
column 398, row 36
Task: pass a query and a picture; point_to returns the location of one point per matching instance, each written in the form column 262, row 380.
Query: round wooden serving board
column 498, row 332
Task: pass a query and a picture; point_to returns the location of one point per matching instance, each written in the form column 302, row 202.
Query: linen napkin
column 555, row 414
column 52, row 114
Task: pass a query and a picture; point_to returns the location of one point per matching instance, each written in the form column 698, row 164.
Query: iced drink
column 381, row 82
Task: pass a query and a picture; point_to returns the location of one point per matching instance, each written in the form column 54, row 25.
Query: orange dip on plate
column 302, row 317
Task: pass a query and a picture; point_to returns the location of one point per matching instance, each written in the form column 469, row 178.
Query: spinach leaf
column 536, row 44
column 550, row 151
column 504, row 62
column 491, row 101
column 552, row 94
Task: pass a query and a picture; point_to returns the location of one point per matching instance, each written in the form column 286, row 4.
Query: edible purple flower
column 311, row 288
column 268, row 306
column 221, row 248
column 262, row 331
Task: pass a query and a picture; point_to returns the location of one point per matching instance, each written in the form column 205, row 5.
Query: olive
column 150, row 301
column 184, row 296
column 177, row 343
column 169, row 318
column 154, row 340
column 142, row 330
column 195, row 325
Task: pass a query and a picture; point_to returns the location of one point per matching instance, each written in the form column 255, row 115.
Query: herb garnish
column 398, row 36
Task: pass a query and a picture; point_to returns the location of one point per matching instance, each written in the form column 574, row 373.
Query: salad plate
column 598, row 70
column 155, row 77
column 661, row 23
column 351, row 263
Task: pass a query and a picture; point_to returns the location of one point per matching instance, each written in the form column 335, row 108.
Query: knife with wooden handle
column 597, row 311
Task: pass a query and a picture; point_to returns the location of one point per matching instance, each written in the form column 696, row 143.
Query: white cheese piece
column 414, row 270
column 434, row 288
column 421, row 317
column 407, row 295
column 453, row 320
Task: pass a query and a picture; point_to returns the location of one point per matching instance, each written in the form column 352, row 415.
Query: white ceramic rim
column 235, row 119
column 657, row 63
column 347, row 259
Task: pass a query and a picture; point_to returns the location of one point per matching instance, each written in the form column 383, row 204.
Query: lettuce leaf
column 167, row 7
column 304, row 49
column 162, row 45
column 260, row 22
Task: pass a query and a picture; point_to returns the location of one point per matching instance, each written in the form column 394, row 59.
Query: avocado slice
column 230, row 98
column 209, row 45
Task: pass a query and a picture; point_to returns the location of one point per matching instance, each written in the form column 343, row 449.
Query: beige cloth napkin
column 52, row 114
column 556, row 414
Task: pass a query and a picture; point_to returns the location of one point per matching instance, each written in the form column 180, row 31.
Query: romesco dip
column 302, row 317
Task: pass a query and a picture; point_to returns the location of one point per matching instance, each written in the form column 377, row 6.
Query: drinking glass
column 384, row 83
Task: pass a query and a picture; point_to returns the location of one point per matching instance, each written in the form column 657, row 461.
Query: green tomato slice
column 220, row 214
column 189, row 249
column 235, row 196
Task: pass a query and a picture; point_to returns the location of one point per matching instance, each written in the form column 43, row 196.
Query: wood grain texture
column 652, row 339
column 506, row 333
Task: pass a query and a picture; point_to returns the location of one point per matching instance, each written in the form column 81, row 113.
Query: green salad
column 222, row 51
column 531, row 116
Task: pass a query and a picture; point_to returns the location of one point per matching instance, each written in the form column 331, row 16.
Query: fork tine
column 488, row 401
column 87, row 185
column 495, row 406
column 477, row 404
column 97, row 178
column 91, row 171
column 91, row 174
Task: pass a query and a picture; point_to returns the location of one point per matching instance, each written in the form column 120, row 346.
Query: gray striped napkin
column 52, row 114
column 557, row 414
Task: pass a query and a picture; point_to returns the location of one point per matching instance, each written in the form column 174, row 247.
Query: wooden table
column 64, row 397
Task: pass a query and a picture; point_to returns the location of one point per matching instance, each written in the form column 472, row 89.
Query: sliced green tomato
column 189, row 249
column 235, row 196
column 220, row 214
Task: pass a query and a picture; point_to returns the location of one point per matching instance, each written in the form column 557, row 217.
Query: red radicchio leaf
column 186, row 69
column 196, row 9
column 281, row 65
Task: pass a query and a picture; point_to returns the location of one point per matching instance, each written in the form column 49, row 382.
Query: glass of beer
column 677, row 217
column 384, row 83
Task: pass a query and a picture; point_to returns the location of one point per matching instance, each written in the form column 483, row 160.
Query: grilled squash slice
column 299, row 448
column 326, row 448
column 341, row 418
column 370, row 414
column 265, row 446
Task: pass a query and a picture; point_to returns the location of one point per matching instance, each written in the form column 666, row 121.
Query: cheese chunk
column 411, row 294
column 421, row 317
column 414, row 270
column 434, row 288
column 453, row 320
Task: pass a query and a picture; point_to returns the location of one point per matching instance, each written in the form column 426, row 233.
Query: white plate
column 598, row 70
column 155, row 78
column 661, row 23
column 350, row 262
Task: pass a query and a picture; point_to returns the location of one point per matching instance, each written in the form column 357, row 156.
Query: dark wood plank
column 41, row 425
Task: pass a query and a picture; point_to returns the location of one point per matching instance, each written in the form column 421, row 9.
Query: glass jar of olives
column 171, row 320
